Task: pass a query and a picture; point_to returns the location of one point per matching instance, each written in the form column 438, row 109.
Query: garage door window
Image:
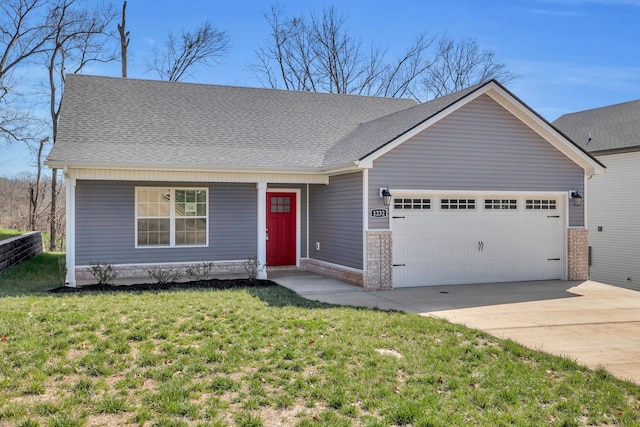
column 541, row 204
column 415, row 204
column 457, row 204
column 500, row 204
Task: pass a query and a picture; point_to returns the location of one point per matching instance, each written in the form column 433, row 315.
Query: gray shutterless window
column 171, row 217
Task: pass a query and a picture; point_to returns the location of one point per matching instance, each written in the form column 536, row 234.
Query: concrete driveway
column 590, row 322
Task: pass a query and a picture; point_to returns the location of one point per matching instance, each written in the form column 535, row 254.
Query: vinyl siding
column 105, row 224
column 335, row 220
column 480, row 147
column 303, row 214
column 613, row 204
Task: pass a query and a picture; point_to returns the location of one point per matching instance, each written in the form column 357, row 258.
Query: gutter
column 182, row 168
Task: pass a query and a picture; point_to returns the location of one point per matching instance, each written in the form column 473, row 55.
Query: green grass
column 32, row 277
column 264, row 356
column 7, row 233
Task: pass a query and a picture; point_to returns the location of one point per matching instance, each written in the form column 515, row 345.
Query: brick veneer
column 578, row 253
column 379, row 260
column 130, row 274
column 379, row 264
column 345, row 274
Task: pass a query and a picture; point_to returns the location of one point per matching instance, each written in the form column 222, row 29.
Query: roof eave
column 619, row 150
column 58, row 164
column 352, row 166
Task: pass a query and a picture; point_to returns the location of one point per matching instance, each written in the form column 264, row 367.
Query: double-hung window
column 171, row 217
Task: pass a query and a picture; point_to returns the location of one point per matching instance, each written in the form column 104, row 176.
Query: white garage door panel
column 434, row 247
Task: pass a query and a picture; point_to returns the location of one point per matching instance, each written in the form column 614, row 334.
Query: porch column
column 70, row 188
column 262, row 229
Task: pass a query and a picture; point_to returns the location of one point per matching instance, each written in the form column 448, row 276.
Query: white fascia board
column 545, row 130
column 367, row 162
column 140, row 174
column 183, row 168
column 343, row 168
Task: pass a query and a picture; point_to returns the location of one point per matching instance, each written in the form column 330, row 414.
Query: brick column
column 379, row 260
column 578, row 253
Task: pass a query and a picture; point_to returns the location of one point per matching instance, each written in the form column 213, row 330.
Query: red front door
column 281, row 229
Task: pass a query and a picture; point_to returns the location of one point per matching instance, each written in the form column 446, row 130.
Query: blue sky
column 570, row 55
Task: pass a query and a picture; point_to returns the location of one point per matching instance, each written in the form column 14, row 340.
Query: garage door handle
column 480, row 246
column 553, row 216
column 553, row 259
column 397, row 217
column 399, row 265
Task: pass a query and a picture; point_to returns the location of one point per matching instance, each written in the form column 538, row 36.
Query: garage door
column 457, row 239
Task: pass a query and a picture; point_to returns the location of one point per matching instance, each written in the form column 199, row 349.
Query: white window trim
column 172, row 218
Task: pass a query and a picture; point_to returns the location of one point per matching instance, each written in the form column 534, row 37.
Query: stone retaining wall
column 19, row 248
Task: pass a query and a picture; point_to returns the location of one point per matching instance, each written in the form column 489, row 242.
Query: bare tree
column 180, row 54
column 79, row 37
column 124, row 40
column 35, row 193
column 319, row 54
column 462, row 64
column 23, row 35
column 15, row 209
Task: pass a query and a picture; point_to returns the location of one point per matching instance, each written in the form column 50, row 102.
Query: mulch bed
column 196, row 284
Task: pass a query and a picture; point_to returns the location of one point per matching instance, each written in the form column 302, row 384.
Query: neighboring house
column 172, row 174
column 612, row 135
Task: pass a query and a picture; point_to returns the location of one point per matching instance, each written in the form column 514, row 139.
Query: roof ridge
column 235, row 87
column 605, row 107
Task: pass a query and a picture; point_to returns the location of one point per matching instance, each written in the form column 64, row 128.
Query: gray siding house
column 479, row 187
column 612, row 135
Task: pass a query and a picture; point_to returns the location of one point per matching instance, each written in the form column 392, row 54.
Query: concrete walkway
column 590, row 322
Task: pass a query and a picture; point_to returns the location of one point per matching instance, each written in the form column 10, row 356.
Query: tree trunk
column 124, row 40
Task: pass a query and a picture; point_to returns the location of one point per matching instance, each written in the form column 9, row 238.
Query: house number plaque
column 379, row 213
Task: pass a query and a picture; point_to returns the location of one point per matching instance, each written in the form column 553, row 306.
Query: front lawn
column 264, row 356
column 33, row 276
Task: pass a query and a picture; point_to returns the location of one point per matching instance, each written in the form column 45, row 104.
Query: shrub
column 103, row 271
column 253, row 267
column 162, row 276
column 200, row 271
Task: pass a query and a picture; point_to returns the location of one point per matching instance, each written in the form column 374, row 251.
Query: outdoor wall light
column 386, row 196
column 577, row 198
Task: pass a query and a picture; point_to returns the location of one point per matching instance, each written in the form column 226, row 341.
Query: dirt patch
column 196, row 284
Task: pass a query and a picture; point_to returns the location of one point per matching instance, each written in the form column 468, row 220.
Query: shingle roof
column 153, row 123
column 612, row 128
